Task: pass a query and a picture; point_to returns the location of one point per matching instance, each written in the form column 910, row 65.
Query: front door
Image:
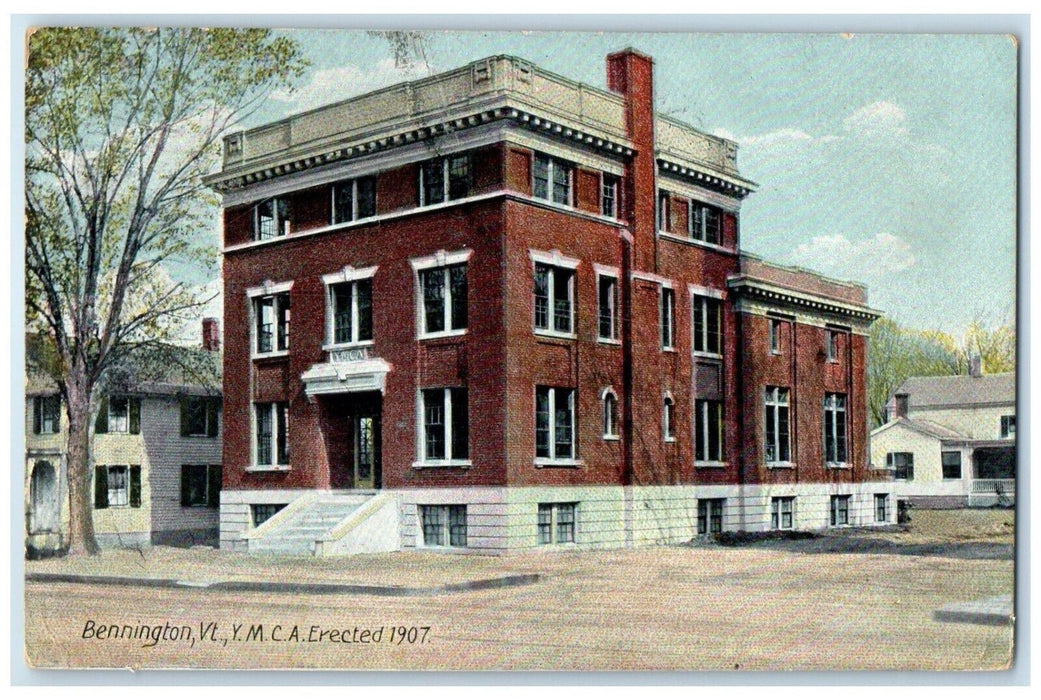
column 366, row 451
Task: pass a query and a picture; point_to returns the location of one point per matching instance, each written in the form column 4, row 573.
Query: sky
column 886, row 159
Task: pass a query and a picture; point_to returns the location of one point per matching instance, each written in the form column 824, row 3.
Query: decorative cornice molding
column 752, row 287
column 727, row 184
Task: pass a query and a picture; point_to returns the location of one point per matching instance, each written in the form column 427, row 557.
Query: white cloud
column 877, row 119
column 335, row 84
column 838, row 256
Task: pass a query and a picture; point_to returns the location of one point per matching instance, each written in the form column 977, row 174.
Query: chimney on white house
column 900, row 406
column 210, row 334
column 975, row 366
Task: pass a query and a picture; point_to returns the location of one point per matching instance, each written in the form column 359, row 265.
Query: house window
column 46, row 414
column 554, row 298
column 444, row 298
column 271, row 218
column 117, row 486
column 835, row 428
column 667, row 315
column 881, row 507
column 200, row 485
column 775, row 336
column 706, row 223
column 554, row 423
column 839, row 510
column 446, row 424
column 1008, row 426
column 119, row 414
column 951, row 464
column 902, row 463
column 551, row 179
column 556, row 524
column 607, row 302
column 271, row 318
column 707, row 325
column 777, row 434
column 668, row 419
column 354, row 199
column 200, row 416
column 262, row 512
column 609, row 195
column 610, row 416
column 832, row 345
column 782, row 512
column 708, row 431
column 445, row 179
column 350, row 304
column 663, row 211
column 710, row 515
column 443, row 526
column 271, row 443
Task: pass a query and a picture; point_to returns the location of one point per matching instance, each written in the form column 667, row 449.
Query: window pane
column 459, row 177
column 433, row 182
column 282, row 304
column 608, row 195
column 265, row 223
column 566, row 522
column 782, row 433
column 117, row 486
column 343, row 202
column 561, row 182
column 542, row 296
column 564, row 439
column 434, row 423
column 282, row 437
column 545, row 523
column 542, row 422
column 433, row 299
column 712, row 336
column 606, row 301
column 540, row 184
column 366, row 197
column 433, row 525
column 264, row 310
column 457, row 525
column 263, row 421
column 457, row 280
column 562, row 300
column 712, row 225
column 342, row 332
column 364, row 309
column 118, row 415
column 460, row 424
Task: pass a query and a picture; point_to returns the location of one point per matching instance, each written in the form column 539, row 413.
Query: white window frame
column 775, row 335
column 891, row 459
column 701, row 411
column 943, row 467
column 663, row 210
column 777, row 513
column 423, row 460
column 667, row 318
column 445, row 182
column 118, row 497
column 615, row 189
column 348, row 275
column 354, row 200
column 554, row 523
column 668, row 417
column 1007, row 429
column 554, row 259
column 700, row 302
column 834, row 511
column 113, row 427
column 609, row 421
column 445, row 526
column 773, row 402
column 708, row 506
column 282, row 226
column 831, row 422
column 275, row 465
column 831, row 344
column 604, row 274
column 40, row 405
column 554, row 162
column 554, row 459
column 253, row 294
column 884, row 499
column 702, row 235
column 443, row 259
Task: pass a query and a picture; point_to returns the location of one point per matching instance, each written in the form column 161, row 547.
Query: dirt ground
column 854, row 599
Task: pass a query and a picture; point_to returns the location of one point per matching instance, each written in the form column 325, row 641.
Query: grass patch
column 736, row 539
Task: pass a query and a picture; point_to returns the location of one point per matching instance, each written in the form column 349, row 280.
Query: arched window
column 668, row 418
column 610, row 413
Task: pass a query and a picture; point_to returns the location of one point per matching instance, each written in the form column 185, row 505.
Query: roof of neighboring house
column 959, row 390
column 166, row 371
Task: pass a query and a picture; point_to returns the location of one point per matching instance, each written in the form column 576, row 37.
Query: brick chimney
column 975, row 366
column 900, row 402
column 210, row 334
column 631, row 74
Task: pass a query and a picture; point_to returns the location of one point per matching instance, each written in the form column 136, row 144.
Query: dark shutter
column 38, row 410
column 100, row 487
column 135, row 486
column 134, row 407
column 186, row 487
column 213, row 473
column 184, row 418
column 101, row 424
column 212, row 416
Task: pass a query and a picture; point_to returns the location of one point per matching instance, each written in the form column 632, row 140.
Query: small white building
column 951, row 441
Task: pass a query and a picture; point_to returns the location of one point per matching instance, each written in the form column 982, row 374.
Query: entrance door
column 366, row 451
column 43, row 498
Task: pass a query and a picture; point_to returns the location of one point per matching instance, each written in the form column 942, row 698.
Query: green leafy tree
column 120, row 126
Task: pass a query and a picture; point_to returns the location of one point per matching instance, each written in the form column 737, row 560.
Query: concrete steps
column 299, row 532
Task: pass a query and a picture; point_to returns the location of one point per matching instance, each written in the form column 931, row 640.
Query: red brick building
column 494, row 309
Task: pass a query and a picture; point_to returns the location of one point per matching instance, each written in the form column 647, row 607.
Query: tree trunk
column 78, row 461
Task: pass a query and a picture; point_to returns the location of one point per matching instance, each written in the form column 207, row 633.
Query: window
column 663, row 210
column 839, row 510
column 262, row 512
column 832, row 345
column 777, row 436
column 200, row 416
column 951, row 464
column 443, row 526
column 444, row 299
column 551, row 179
column 775, row 336
column 782, row 512
column 200, row 485
column 119, row 414
column 668, row 419
column 610, row 417
column 710, row 515
column 902, row 463
column 554, row 298
column 446, row 425
column 835, row 428
column 271, row 443
column 708, row 431
column 271, row 218
column 351, row 311
column 445, row 179
column 881, row 507
column 609, row 195
column 117, row 486
column 271, row 319
column 46, row 414
column 554, row 423
column 667, row 314
column 706, row 223
column 607, row 303
column 707, row 325
column 556, row 524
column 1008, row 426
column 354, row 199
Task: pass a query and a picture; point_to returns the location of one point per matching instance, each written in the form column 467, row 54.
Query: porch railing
column 1005, row 487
